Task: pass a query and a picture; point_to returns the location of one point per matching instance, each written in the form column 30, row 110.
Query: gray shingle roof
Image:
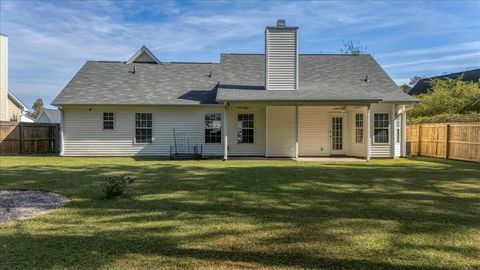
column 238, row 77
column 115, row 83
column 321, row 78
column 53, row 115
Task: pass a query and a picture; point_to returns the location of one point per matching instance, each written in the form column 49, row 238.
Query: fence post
column 419, row 139
column 21, row 138
column 447, row 140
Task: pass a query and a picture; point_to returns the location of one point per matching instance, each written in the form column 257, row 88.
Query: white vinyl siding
column 281, row 131
column 257, row 148
column 282, row 58
column 313, row 128
column 84, row 135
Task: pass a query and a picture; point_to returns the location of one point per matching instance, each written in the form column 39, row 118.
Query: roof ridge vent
column 281, row 23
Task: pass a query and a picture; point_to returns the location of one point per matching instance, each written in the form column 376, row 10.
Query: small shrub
column 116, row 185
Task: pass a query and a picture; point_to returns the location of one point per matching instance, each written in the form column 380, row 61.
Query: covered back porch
column 309, row 130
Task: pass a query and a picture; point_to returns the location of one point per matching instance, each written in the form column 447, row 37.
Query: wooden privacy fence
column 28, row 138
column 447, row 140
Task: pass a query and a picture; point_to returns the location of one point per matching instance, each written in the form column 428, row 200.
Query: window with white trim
column 213, row 128
column 108, row 120
column 245, row 128
column 143, row 127
column 359, row 128
column 381, row 125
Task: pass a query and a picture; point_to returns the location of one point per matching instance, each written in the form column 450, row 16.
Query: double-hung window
column 108, row 120
column 245, row 128
column 359, row 128
column 143, row 128
column 381, row 125
column 213, row 128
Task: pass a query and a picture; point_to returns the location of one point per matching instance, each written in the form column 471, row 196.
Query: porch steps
column 185, row 156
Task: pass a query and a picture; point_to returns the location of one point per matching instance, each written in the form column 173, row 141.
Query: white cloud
column 466, row 46
column 474, row 56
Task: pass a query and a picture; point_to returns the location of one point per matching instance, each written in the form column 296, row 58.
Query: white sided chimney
column 3, row 77
column 281, row 57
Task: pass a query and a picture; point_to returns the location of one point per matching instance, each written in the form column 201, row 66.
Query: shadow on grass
column 284, row 204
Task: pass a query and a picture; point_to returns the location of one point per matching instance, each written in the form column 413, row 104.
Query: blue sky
column 50, row 40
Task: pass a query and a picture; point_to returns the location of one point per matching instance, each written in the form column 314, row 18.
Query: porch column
column 392, row 131
column 296, row 133
column 225, row 132
column 368, row 132
column 404, row 132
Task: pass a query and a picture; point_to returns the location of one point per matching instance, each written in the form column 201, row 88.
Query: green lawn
column 385, row 214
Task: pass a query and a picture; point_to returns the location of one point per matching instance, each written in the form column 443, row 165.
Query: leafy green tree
column 448, row 96
column 37, row 107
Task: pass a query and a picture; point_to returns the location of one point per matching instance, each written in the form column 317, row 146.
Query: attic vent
column 143, row 55
column 281, row 23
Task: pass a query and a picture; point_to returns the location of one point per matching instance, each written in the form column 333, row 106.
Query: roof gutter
column 304, row 100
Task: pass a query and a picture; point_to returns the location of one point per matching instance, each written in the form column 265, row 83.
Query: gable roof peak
column 143, row 55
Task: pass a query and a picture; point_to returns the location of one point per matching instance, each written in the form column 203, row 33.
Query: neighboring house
column 277, row 104
column 423, row 85
column 48, row 116
column 17, row 110
column 11, row 108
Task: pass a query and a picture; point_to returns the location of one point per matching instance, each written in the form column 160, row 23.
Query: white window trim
column 114, row 121
column 254, row 133
column 135, row 130
column 221, row 129
column 389, row 128
column 362, row 128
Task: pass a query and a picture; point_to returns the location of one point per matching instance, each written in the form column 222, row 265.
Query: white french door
column 337, row 134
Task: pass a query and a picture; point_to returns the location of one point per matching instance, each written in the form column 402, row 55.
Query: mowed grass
column 384, row 214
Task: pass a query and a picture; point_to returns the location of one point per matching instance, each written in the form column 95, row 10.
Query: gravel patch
column 25, row 204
